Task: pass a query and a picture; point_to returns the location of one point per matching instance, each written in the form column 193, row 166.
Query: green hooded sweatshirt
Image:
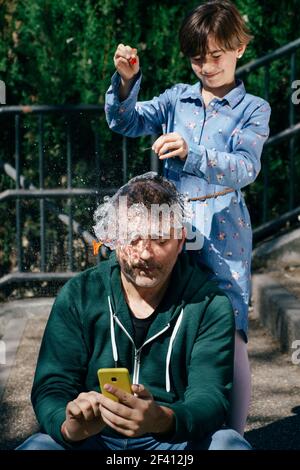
column 186, row 361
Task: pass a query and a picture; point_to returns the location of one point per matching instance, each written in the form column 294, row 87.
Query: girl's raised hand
column 126, row 62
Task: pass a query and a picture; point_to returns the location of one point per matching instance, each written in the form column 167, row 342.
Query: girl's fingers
column 169, row 155
column 125, row 51
column 121, row 61
column 126, row 61
column 120, row 52
column 128, row 51
column 170, row 145
column 171, row 137
column 167, row 146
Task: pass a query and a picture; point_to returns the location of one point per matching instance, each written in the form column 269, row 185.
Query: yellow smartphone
column 118, row 377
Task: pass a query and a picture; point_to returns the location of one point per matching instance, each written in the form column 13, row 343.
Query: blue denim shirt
column 225, row 142
column 225, row 138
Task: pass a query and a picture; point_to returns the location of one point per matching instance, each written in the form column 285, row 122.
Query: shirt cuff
column 134, row 91
column 194, row 161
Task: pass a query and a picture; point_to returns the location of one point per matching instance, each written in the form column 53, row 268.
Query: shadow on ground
column 278, row 435
column 17, row 423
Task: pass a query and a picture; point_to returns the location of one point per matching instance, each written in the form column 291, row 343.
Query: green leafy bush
column 61, row 52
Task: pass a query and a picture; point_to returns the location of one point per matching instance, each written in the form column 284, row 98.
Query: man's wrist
column 66, row 435
column 127, row 83
column 165, row 423
column 126, row 86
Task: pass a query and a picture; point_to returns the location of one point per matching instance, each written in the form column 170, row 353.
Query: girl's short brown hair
column 217, row 18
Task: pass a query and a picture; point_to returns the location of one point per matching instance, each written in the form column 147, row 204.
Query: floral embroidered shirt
column 225, row 142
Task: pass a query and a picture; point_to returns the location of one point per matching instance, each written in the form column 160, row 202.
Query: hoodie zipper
column 137, row 352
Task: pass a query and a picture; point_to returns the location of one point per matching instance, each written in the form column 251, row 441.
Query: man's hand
column 83, row 417
column 137, row 414
column 171, row 145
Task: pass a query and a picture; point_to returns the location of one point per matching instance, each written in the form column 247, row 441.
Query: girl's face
column 217, row 69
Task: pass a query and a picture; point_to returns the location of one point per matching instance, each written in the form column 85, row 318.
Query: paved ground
column 274, row 420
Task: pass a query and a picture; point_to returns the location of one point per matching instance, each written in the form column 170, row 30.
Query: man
column 148, row 308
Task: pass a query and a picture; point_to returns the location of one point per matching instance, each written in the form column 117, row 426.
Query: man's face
column 217, row 69
column 148, row 262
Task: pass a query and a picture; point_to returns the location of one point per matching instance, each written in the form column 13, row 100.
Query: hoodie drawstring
column 169, row 352
column 176, row 328
column 112, row 334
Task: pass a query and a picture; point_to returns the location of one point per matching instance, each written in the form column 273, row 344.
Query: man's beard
column 130, row 270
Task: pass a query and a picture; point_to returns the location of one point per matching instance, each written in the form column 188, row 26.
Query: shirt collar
column 233, row 98
column 192, row 92
column 236, row 94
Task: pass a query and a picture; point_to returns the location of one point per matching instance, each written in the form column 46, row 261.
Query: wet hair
column 219, row 19
column 148, row 189
column 142, row 195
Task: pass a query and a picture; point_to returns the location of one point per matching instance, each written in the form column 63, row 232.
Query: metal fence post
column 42, row 200
column 69, row 185
column 124, row 159
column 18, row 201
column 292, row 140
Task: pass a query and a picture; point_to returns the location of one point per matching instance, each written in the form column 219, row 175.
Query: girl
column 213, row 135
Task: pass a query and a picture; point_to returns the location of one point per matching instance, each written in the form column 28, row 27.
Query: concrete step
column 278, row 309
column 276, row 287
column 278, row 252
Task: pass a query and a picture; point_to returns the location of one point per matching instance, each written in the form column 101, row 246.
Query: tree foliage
column 58, row 51
column 61, row 51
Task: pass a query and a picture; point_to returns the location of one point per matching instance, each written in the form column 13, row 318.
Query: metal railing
column 26, row 190
column 286, row 134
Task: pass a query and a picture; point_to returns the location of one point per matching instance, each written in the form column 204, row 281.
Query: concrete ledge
column 279, row 252
column 278, row 310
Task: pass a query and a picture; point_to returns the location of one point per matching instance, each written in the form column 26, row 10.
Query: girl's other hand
column 171, row 145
